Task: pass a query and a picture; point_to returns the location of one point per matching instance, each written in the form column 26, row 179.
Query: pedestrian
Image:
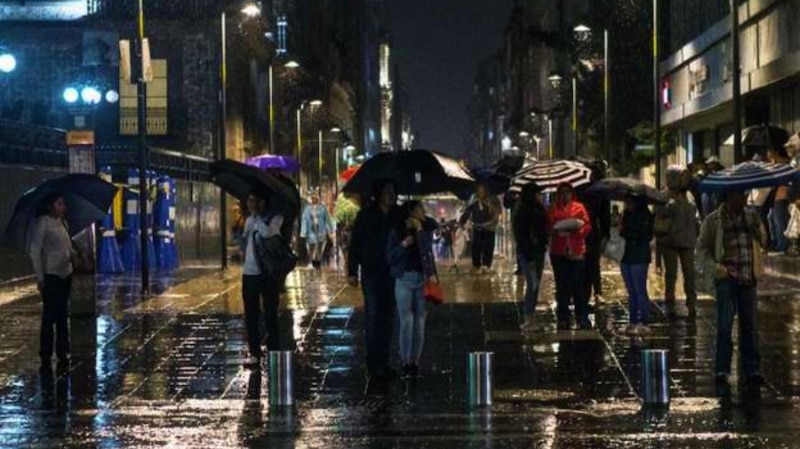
column 729, row 249
column 599, row 210
column 317, row 229
column 637, row 230
column 53, row 255
column 779, row 216
column 367, row 259
column 253, row 292
column 568, row 224
column 276, row 260
column 676, row 233
column 793, row 228
column 530, row 234
column 483, row 212
column 237, row 230
column 410, row 257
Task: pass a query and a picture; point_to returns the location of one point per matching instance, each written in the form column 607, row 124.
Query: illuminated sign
column 666, row 94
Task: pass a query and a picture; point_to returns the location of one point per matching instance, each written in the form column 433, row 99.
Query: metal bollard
column 281, row 379
column 479, row 378
column 655, row 377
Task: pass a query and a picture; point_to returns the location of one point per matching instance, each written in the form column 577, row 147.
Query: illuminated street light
column 582, row 32
column 71, row 95
column 555, row 80
column 112, row 96
column 251, row 10
column 336, row 130
column 315, row 103
column 7, row 63
column 292, row 64
column 524, row 134
column 90, row 95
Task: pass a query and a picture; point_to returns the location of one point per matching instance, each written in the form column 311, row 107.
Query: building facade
column 696, row 76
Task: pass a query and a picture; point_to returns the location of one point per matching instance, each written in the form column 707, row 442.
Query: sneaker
column 475, row 270
column 680, row 310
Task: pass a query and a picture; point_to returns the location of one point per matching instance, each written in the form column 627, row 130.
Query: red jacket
column 575, row 244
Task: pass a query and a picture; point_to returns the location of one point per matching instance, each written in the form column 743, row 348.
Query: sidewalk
column 167, row 371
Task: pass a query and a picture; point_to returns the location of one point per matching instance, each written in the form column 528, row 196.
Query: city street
column 167, row 372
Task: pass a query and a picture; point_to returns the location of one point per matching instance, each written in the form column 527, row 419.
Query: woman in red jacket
column 569, row 224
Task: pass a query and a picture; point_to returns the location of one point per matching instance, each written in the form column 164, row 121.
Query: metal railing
column 175, row 164
column 25, row 144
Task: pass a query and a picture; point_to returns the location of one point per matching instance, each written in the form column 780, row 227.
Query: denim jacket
column 397, row 255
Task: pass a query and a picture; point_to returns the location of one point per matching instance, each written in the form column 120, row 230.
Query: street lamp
column 291, row 64
column 313, row 103
column 524, row 134
column 555, row 81
column 7, row 63
column 71, row 95
column 582, row 32
column 250, row 10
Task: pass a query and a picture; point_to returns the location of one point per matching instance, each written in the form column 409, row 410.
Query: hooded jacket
column 574, row 244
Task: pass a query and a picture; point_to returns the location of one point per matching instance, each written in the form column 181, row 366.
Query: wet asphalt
column 166, row 371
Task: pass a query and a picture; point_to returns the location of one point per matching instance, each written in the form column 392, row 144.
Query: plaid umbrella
column 549, row 174
column 749, row 175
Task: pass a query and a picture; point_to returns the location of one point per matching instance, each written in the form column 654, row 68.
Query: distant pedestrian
column 676, row 233
column 410, row 256
column 569, row 224
column 530, row 233
column 730, row 251
column 779, row 215
column 637, row 230
column 52, row 254
column 253, row 287
column 484, row 212
column 793, row 229
column 367, row 258
column 317, row 229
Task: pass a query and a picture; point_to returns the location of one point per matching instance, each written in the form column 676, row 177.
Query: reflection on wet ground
column 166, row 371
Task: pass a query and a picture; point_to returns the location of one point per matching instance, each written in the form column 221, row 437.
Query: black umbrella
column 415, row 172
column 762, row 137
column 87, row 196
column 510, row 165
column 241, row 180
column 619, row 189
column 496, row 183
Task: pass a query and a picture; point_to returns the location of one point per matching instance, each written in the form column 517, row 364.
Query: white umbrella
column 548, row 175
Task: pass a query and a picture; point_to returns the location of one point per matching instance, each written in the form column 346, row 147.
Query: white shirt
column 254, row 224
column 50, row 248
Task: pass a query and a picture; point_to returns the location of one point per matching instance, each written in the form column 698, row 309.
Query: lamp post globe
column 7, row 63
column 71, row 95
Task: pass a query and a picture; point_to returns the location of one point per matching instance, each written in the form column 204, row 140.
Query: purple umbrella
column 274, row 162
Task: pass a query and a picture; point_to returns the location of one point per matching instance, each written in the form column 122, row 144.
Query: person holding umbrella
column 569, row 224
column 483, row 212
column 253, row 291
column 729, row 250
column 637, row 230
column 530, row 233
column 52, row 255
column 367, row 258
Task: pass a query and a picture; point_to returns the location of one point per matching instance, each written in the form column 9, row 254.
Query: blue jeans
column 379, row 307
column 733, row 298
column 635, row 277
column 533, row 276
column 411, row 310
column 778, row 221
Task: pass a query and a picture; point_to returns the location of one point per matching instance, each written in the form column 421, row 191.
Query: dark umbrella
column 496, row 183
column 762, row 137
column 619, row 189
column 415, row 172
column 509, row 165
column 241, row 180
column 87, row 196
column 749, row 175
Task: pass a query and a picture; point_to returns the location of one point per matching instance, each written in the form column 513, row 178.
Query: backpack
column 274, row 256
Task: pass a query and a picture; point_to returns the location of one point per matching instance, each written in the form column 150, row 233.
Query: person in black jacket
column 367, row 257
column 530, row 233
column 637, row 230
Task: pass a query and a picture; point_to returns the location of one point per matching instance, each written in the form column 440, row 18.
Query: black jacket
column 530, row 230
column 637, row 230
column 368, row 242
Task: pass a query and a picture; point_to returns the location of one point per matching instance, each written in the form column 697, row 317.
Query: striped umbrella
column 549, row 174
column 749, row 175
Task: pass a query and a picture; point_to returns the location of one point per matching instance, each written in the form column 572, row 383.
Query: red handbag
column 432, row 292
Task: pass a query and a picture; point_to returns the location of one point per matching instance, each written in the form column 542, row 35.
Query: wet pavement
column 167, row 371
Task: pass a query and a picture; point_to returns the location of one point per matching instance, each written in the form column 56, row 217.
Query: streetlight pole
column 737, row 82
column 606, row 96
column 576, row 132
column 299, row 118
column 143, row 158
column 319, row 159
column 222, row 147
column 657, row 97
column 271, row 113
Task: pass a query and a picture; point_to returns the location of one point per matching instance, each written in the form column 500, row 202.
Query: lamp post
column 736, row 81
column 291, row 64
column 299, row 117
column 657, row 94
column 250, row 10
column 555, row 81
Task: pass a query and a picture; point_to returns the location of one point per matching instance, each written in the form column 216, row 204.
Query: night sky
column 438, row 44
